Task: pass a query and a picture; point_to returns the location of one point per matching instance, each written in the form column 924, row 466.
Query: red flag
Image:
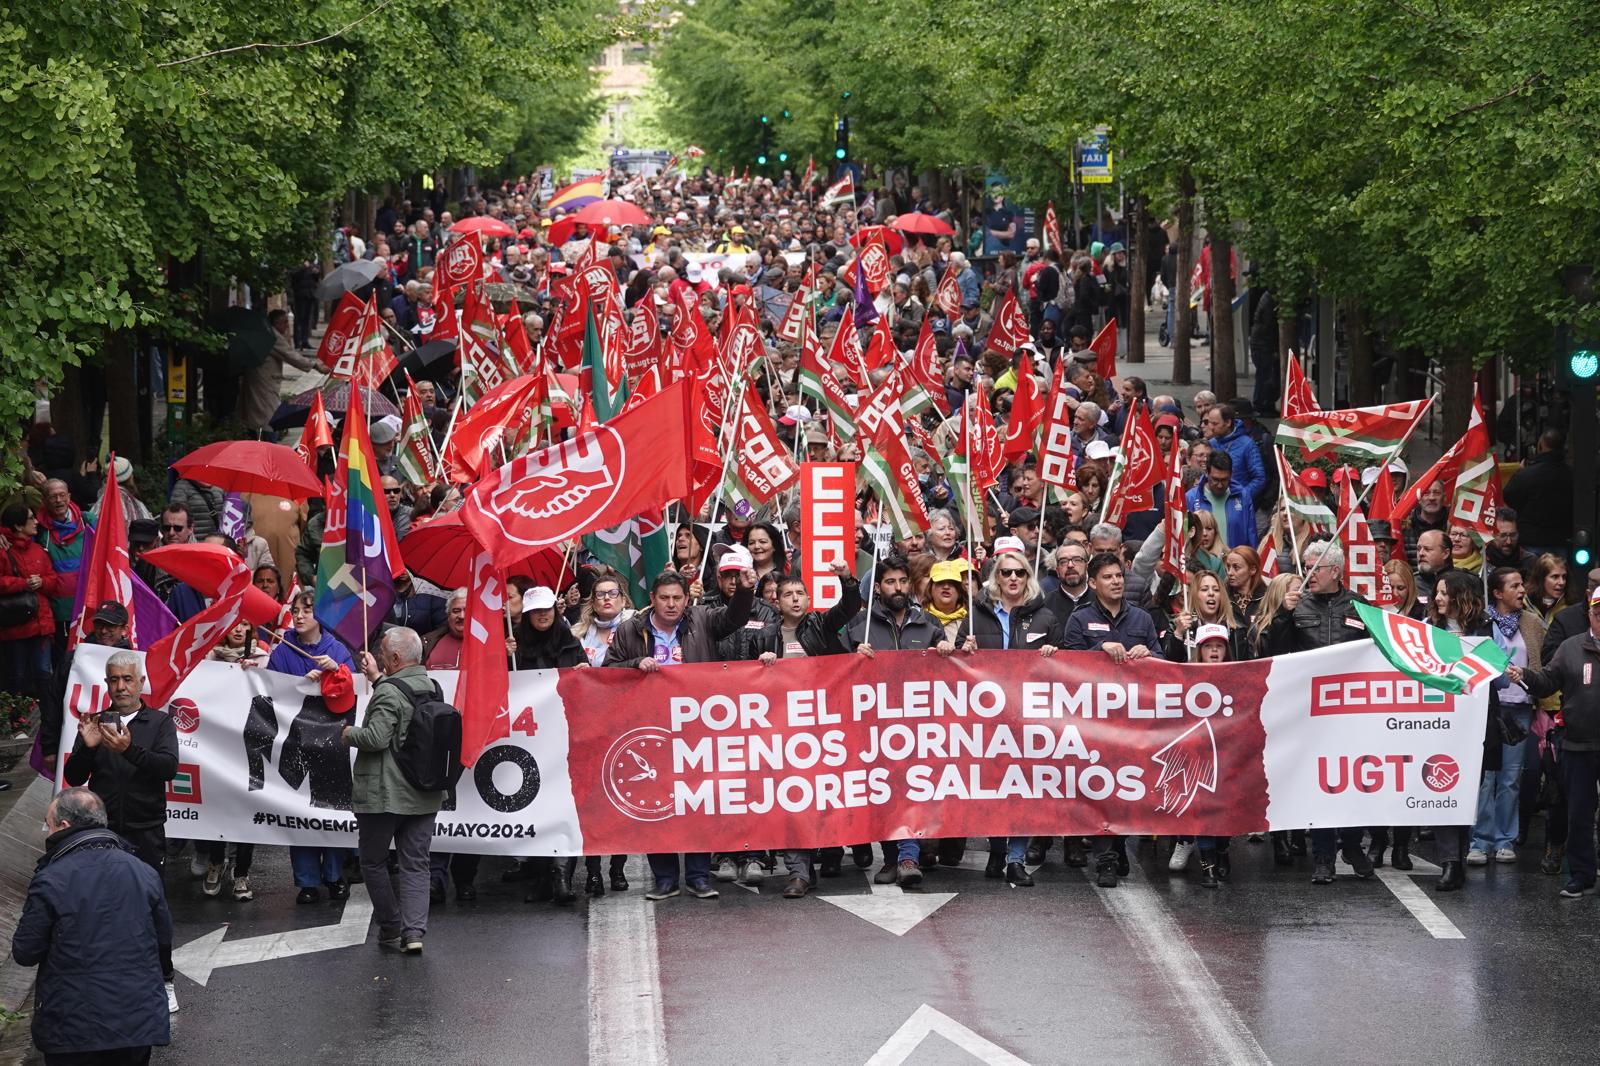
column 445, row 325
column 642, row 349
column 342, row 338
column 1362, row 568
column 374, row 359
column 481, row 369
column 1298, row 398
column 478, row 318
column 689, row 334
column 989, row 460
column 924, row 367
column 1010, row 330
column 317, row 434
column 794, row 315
column 1380, row 505
column 948, row 295
column 1104, row 347
column 1475, row 497
column 1267, row 552
column 461, row 263
column 1174, row 513
column 483, row 688
column 107, row 574
column 1052, row 229
column 1056, row 458
column 883, row 406
column 174, row 656
column 1139, row 467
column 880, row 346
column 479, row 431
column 845, row 349
column 873, row 262
column 762, row 467
column 595, row 480
column 1027, row 409
column 518, row 350
column 810, row 174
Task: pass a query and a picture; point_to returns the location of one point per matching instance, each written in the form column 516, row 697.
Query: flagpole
column 716, row 499
column 448, row 430
column 1288, row 514
column 1387, row 459
column 970, row 417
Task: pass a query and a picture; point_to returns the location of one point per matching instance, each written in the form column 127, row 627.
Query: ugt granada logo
column 1440, row 773
column 185, row 714
column 637, row 774
column 550, row 495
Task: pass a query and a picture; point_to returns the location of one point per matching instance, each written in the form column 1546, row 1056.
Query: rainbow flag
column 360, row 555
column 579, row 193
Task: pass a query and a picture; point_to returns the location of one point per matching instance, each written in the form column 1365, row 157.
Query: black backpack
column 429, row 752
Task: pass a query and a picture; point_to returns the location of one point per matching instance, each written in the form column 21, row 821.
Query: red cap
column 1168, row 422
column 338, row 690
column 1312, row 477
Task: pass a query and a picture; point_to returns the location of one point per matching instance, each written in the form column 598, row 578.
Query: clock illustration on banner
column 637, row 774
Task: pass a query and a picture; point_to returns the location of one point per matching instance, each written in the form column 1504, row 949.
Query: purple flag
column 234, row 517
column 866, row 311
column 152, row 620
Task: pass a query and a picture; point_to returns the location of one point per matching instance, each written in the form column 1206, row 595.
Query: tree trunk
column 1224, row 360
column 1288, row 341
column 1183, row 318
column 1456, row 403
column 123, row 395
column 66, row 411
column 1138, row 293
column 1363, row 388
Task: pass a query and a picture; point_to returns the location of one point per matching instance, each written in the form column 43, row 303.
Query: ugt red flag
column 1027, row 408
column 1010, row 330
column 1104, row 347
column 948, row 294
column 595, row 480
column 174, row 656
column 107, row 573
column 483, row 428
column 483, row 689
column 1298, row 398
column 1138, row 468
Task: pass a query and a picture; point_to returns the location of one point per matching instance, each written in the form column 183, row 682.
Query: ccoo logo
column 1440, row 773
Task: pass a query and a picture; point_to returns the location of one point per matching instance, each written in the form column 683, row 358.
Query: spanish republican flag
column 579, row 193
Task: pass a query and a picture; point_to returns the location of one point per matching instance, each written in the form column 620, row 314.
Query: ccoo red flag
column 1104, row 347
column 1027, row 409
column 342, row 337
column 108, row 573
column 483, row 691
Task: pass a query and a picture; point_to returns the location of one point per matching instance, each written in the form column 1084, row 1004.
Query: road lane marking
column 925, row 1020
column 626, row 1025
column 198, row 958
column 1149, row 926
column 1412, row 897
column 891, row 907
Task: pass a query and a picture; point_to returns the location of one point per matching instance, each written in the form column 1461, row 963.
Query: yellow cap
column 949, row 570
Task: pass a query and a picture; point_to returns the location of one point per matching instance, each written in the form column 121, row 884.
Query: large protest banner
column 844, row 749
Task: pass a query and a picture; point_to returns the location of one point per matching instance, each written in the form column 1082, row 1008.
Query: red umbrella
column 611, row 213
column 883, row 235
column 441, row 550
column 917, row 222
column 483, row 226
column 202, row 567
column 251, row 466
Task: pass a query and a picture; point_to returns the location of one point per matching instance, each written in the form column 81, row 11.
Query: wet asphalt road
column 1268, row 969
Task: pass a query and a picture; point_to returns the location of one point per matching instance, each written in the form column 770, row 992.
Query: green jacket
column 380, row 787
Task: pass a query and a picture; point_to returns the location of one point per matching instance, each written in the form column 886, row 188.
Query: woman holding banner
column 1009, row 614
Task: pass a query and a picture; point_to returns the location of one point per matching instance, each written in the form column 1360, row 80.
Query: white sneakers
column 726, row 871
column 1477, row 857
column 172, row 998
column 241, row 890
column 1505, row 855
column 1180, row 856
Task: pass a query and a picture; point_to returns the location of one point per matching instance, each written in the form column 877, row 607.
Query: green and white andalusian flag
column 1433, row 656
column 638, row 549
column 1363, row 434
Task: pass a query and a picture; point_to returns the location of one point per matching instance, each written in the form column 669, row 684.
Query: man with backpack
column 404, row 766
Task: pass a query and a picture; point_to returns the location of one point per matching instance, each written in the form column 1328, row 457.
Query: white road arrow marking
column 1412, row 897
column 197, row 959
column 925, row 1020
column 891, row 907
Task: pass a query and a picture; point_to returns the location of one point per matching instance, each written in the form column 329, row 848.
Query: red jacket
column 21, row 559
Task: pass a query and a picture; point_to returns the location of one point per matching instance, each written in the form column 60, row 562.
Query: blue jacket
column 1090, row 628
column 1241, row 512
column 288, row 661
column 1248, row 473
column 94, row 923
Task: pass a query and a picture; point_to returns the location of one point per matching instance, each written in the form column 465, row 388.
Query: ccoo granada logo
column 1376, row 692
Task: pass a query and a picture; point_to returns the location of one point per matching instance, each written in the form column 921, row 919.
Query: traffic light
column 1583, row 363
column 786, row 114
column 783, row 157
column 1581, row 553
column 766, row 141
column 841, row 139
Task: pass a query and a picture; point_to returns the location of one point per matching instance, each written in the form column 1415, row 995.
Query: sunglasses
column 173, row 529
column 1013, row 573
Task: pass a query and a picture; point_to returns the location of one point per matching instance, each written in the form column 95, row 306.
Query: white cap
column 796, row 415
column 1210, row 631
column 737, row 557
column 1013, row 545
column 1098, row 449
column 694, row 273
column 538, row 598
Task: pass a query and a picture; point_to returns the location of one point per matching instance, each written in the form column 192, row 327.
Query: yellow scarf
column 1471, row 563
column 945, row 619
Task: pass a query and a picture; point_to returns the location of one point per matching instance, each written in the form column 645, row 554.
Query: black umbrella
column 336, row 398
column 249, row 335
column 429, row 361
column 350, row 277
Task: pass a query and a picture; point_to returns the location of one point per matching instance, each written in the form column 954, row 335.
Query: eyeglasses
column 173, row 529
column 392, row 492
column 1009, row 572
column 613, row 594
